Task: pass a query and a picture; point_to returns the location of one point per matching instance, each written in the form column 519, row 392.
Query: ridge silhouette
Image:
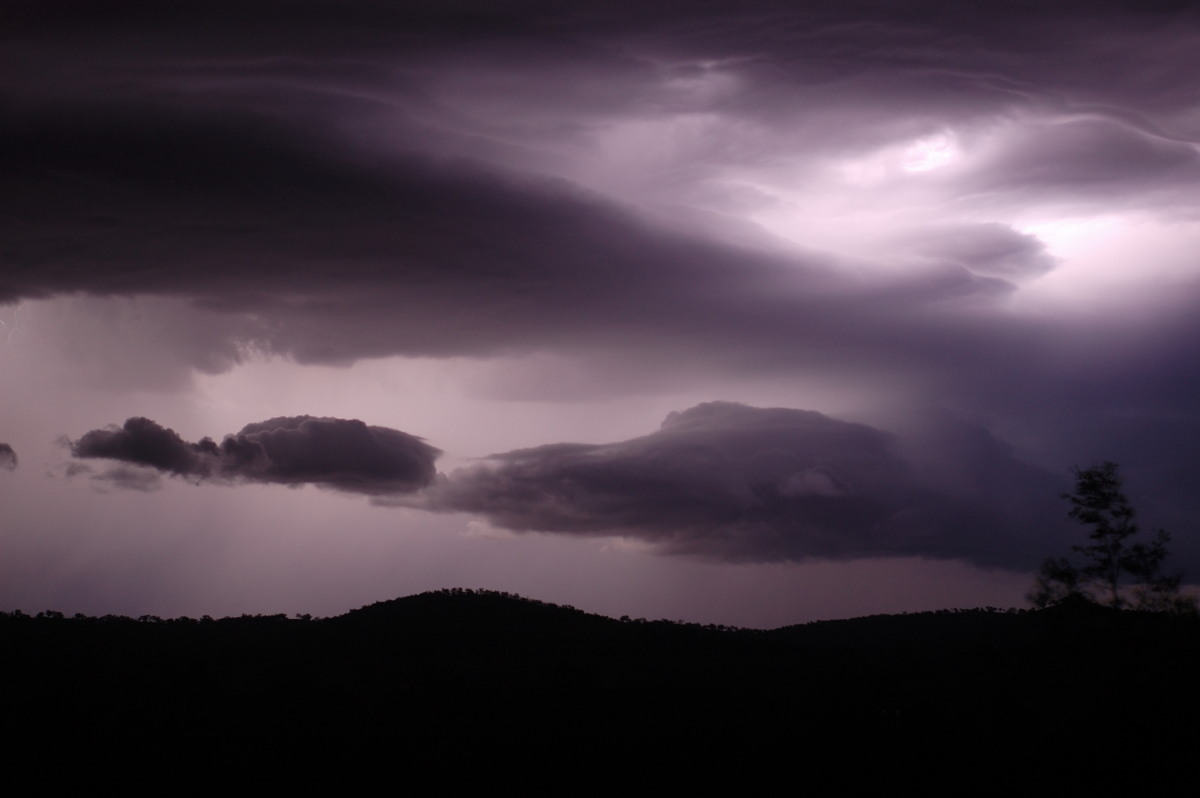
column 454, row 676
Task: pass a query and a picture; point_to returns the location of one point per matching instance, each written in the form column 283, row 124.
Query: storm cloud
column 971, row 228
column 403, row 188
column 345, row 455
column 733, row 482
column 408, row 255
column 8, row 457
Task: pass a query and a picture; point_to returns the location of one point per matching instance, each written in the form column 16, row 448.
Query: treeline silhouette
column 475, row 683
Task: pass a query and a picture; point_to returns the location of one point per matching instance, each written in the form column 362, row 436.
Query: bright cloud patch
column 929, row 153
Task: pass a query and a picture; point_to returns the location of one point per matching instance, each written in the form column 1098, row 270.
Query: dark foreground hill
column 472, row 687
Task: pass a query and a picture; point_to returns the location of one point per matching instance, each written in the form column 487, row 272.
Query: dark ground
column 475, row 689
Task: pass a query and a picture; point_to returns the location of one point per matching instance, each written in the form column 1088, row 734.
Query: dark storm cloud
column 734, row 482
column 8, row 457
column 435, row 257
column 334, row 181
column 337, row 453
column 414, row 256
column 144, row 442
column 312, row 179
column 528, row 73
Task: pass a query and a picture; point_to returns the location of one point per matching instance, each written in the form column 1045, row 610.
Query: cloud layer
column 343, row 454
column 990, row 210
column 598, row 185
column 721, row 480
column 478, row 182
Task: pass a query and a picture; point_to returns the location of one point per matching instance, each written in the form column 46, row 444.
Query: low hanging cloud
column 720, row 480
column 733, row 482
column 8, row 457
column 343, row 454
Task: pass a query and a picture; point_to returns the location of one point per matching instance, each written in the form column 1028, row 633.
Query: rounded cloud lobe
column 342, row 454
column 728, row 481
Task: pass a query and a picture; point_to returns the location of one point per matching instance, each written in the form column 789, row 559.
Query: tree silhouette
column 1115, row 572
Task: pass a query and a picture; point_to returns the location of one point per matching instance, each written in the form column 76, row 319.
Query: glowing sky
column 750, row 313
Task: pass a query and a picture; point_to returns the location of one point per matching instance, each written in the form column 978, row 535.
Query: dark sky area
column 750, row 312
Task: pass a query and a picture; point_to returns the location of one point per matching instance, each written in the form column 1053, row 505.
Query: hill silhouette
column 441, row 679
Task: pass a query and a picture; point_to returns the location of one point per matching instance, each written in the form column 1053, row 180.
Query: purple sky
column 751, row 313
